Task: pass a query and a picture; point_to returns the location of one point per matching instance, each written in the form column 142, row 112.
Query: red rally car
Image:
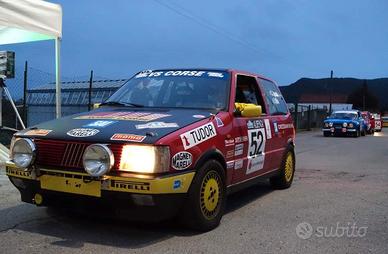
column 167, row 143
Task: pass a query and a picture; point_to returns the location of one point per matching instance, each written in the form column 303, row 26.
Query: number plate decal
column 256, row 154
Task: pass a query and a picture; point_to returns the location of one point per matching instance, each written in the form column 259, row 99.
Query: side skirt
column 250, row 182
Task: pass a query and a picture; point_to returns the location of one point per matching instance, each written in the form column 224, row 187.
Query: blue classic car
column 348, row 122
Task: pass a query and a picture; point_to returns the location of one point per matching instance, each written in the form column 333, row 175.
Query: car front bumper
column 141, row 197
column 336, row 130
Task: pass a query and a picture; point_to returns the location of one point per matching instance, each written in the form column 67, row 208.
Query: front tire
column 287, row 171
column 205, row 204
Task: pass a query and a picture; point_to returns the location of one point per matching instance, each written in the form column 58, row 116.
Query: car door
column 252, row 135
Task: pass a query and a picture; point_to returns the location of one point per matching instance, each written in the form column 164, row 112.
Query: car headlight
column 98, row 159
column 331, row 124
column 345, row 125
column 351, row 125
column 23, row 152
column 326, row 125
column 145, row 159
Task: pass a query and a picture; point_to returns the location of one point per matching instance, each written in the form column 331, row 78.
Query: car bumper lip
column 82, row 184
column 338, row 130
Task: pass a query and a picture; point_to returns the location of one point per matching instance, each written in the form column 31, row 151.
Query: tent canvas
column 33, row 20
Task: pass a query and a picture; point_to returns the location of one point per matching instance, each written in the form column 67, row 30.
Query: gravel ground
column 337, row 204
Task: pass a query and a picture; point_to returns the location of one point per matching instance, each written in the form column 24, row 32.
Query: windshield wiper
column 123, row 104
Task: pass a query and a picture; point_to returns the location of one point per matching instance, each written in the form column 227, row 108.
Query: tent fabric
column 29, row 20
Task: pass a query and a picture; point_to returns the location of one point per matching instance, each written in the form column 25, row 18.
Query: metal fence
column 306, row 117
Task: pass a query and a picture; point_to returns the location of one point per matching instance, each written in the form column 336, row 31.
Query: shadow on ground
column 74, row 230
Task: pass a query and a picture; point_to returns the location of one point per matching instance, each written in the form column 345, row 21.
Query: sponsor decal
column 125, row 116
column 238, row 164
column 229, row 154
column 241, row 139
column 238, row 149
column 215, row 74
column 82, row 132
column 275, row 127
column 268, row 128
column 129, row 185
column 219, row 122
column 127, row 137
column 99, row 124
column 275, row 101
column 37, row 132
column 229, row 142
column 182, row 160
column 229, row 164
column 199, row 116
column 177, row 184
column 198, row 135
column 179, row 73
column 255, row 124
column 274, row 94
column 256, row 150
column 18, row 173
column 156, row 125
column 285, row 126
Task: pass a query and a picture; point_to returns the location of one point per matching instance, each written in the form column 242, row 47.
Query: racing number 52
column 256, row 142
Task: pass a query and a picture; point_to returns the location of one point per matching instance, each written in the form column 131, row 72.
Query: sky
column 283, row 40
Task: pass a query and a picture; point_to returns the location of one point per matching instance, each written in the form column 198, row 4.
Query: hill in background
column 339, row 87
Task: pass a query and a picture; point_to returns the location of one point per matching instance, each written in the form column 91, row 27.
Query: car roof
column 346, row 111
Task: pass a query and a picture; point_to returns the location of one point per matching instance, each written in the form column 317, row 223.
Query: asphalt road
column 337, row 204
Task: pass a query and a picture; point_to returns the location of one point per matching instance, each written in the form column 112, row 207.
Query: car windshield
column 175, row 89
column 343, row 115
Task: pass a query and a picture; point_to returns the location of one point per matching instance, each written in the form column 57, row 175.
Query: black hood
column 101, row 124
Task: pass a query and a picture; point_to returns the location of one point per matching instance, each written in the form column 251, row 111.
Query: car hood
column 117, row 124
column 335, row 120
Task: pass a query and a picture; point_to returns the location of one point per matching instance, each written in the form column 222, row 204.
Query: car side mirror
column 252, row 111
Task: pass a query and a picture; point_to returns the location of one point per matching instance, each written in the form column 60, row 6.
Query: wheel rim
column 210, row 195
column 289, row 167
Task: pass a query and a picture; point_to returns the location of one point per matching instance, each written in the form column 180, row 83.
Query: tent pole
column 58, row 76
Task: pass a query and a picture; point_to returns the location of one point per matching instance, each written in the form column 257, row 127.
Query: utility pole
column 331, row 92
column 25, row 93
column 90, row 90
column 364, row 95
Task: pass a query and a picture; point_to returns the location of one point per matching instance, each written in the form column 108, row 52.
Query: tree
column 363, row 99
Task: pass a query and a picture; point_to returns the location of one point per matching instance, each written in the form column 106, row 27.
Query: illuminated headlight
column 351, row 125
column 331, row 124
column 98, row 160
column 23, row 152
column 326, row 125
column 145, row 159
column 345, row 125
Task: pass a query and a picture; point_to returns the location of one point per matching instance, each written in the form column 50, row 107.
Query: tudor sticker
column 99, row 124
column 256, row 150
column 127, row 137
column 198, row 135
column 156, row 125
column 126, row 116
column 182, row 160
column 82, row 132
column 38, row 132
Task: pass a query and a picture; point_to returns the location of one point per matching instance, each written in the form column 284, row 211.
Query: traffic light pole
column 4, row 88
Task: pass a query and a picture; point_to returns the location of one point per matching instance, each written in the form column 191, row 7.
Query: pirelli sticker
column 18, row 173
column 129, row 186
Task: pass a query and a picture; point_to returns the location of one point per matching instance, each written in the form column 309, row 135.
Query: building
column 322, row 101
column 75, row 98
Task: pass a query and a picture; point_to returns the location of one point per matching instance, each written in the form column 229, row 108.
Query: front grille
column 65, row 154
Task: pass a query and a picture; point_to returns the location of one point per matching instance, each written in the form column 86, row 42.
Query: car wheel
column 287, row 171
column 205, row 204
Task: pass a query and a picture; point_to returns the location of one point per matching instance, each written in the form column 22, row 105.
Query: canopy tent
column 33, row 20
